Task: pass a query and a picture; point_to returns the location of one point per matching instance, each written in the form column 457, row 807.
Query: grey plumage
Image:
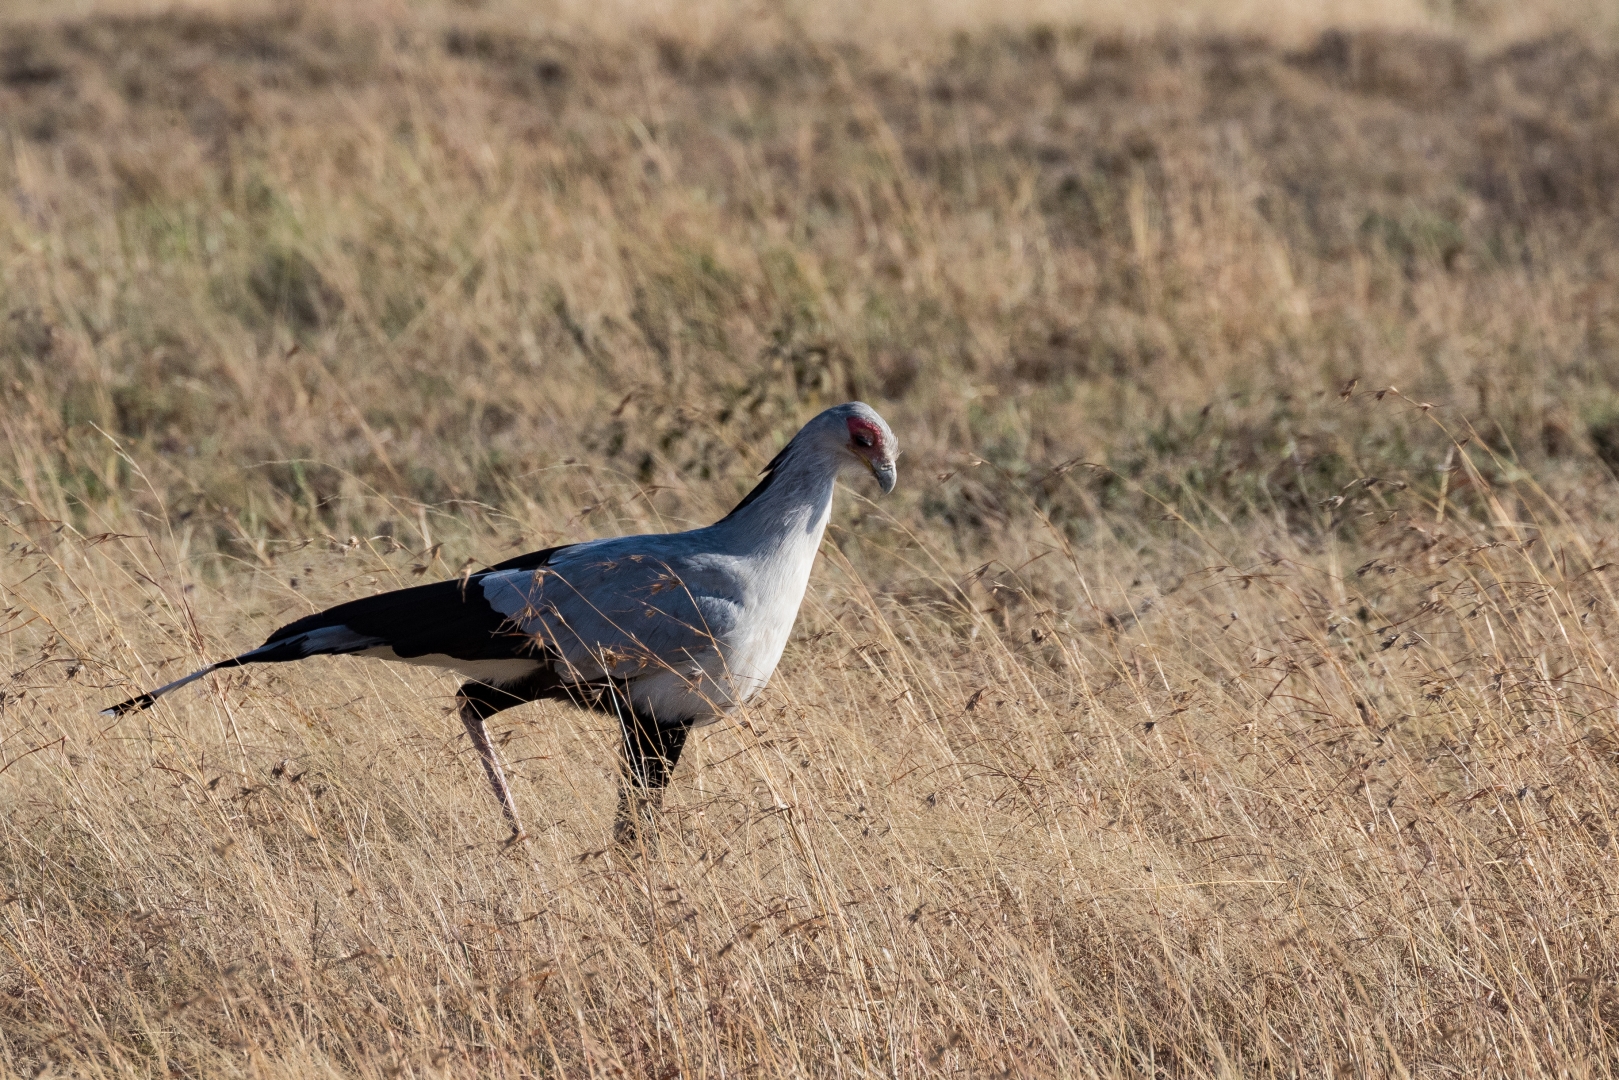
column 664, row 631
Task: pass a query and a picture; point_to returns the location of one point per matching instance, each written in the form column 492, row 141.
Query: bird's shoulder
column 622, row 569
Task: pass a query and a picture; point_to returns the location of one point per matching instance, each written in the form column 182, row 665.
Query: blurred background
column 296, row 258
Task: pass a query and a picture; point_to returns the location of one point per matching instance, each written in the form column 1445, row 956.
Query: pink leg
column 491, row 765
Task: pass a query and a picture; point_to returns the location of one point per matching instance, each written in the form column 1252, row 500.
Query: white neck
column 790, row 511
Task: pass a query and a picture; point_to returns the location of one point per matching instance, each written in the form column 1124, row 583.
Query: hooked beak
column 884, row 472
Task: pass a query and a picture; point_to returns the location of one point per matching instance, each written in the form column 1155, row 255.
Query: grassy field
column 1226, row 691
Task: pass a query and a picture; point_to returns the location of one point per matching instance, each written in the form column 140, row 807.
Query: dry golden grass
column 1200, row 705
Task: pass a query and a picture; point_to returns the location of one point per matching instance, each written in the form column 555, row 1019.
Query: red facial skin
column 864, row 429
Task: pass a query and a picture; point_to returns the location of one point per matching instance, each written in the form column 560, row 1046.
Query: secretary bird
column 663, row 632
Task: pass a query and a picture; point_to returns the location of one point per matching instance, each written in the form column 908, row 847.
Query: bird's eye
column 862, row 439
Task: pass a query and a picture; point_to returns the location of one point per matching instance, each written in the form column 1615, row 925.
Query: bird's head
column 864, row 439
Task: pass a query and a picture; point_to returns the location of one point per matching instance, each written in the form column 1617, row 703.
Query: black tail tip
column 134, row 704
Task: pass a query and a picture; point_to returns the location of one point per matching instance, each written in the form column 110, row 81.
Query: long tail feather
column 310, row 643
column 444, row 619
column 144, row 701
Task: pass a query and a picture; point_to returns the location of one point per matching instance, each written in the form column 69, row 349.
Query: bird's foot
column 635, row 825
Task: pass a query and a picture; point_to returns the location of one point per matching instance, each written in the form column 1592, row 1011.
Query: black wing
column 445, row 618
